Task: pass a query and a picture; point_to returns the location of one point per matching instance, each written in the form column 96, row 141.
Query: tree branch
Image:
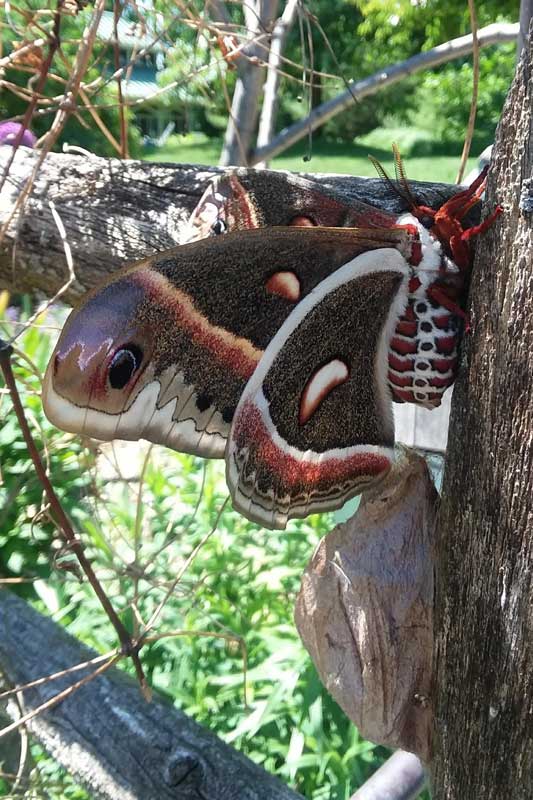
column 108, row 737
column 456, row 48
column 401, row 777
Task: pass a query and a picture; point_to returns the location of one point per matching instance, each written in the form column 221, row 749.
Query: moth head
column 101, row 363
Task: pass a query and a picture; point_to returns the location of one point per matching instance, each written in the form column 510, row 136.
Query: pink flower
column 10, row 131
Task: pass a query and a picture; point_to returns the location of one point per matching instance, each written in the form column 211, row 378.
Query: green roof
column 142, row 84
column 131, row 34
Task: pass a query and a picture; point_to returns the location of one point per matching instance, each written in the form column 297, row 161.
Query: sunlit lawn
column 421, row 163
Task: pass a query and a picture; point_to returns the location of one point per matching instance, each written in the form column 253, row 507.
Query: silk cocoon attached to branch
column 365, row 613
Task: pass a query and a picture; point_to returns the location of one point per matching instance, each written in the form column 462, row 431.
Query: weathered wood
column 484, row 581
column 115, row 212
column 109, row 737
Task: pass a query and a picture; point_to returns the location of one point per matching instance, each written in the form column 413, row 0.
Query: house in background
column 155, row 116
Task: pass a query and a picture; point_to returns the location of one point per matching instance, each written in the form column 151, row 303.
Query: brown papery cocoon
column 365, row 609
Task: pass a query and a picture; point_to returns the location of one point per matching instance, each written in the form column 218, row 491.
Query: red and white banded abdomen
column 423, row 349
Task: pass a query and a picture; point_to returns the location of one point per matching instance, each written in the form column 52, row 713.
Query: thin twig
column 475, row 87
column 181, row 572
column 55, row 675
column 99, row 121
column 17, row 54
column 53, row 45
column 128, row 647
column 71, row 274
column 228, row 637
column 58, row 698
column 66, row 107
column 137, row 544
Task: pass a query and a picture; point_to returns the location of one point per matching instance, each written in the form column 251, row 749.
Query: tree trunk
column 269, row 109
column 242, row 121
column 484, row 582
column 526, row 15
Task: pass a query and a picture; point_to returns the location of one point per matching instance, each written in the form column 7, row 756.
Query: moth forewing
column 164, row 348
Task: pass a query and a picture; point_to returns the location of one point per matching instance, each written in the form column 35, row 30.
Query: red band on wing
column 234, row 352
column 249, row 219
column 250, row 430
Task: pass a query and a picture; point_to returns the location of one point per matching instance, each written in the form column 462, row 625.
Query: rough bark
column 456, row 48
column 109, row 737
column 115, row 212
column 484, row 581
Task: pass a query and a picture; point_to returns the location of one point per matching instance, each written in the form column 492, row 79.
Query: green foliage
column 80, row 129
column 368, row 34
column 349, row 40
column 202, row 90
column 29, row 552
column 235, row 597
column 444, row 98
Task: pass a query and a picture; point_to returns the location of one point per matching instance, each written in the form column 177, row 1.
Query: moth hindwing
column 314, row 425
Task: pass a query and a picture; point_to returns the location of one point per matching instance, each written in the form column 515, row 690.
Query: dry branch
column 401, row 777
column 484, row 581
column 269, row 108
column 456, row 48
column 115, row 212
column 109, row 738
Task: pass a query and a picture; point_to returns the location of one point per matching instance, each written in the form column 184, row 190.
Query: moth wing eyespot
column 125, row 362
column 218, row 227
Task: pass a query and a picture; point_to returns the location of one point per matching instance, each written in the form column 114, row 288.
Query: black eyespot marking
column 227, row 414
column 421, row 308
column 125, row 363
column 203, row 401
column 427, row 327
column 218, row 227
column 426, row 346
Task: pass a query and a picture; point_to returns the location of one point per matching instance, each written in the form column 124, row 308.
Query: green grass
column 424, row 159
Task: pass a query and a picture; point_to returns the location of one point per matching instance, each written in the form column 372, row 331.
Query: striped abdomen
column 423, row 350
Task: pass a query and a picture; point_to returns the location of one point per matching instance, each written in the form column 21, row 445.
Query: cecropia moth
column 279, row 348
